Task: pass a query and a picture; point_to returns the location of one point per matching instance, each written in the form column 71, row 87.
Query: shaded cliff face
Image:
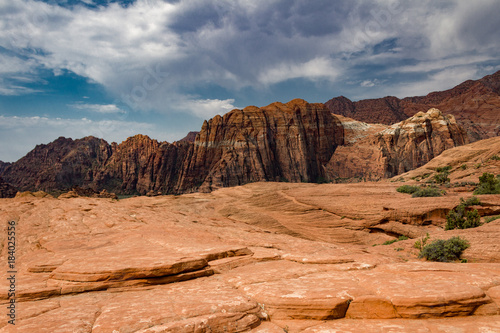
column 475, row 105
column 3, row 166
column 141, row 164
column 288, row 142
column 60, row 164
column 398, row 148
column 190, row 137
column 7, row 190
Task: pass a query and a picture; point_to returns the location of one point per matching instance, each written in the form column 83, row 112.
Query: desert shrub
column 420, row 243
column 407, row 189
column 472, row 201
column 442, row 176
column 495, row 158
column 427, row 192
column 444, row 169
column 463, row 167
column 322, row 180
column 461, row 217
column 491, row 218
column 444, row 250
column 488, row 184
column 400, row 238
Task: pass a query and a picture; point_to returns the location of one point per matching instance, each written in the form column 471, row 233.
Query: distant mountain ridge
column 474, row 103
column 295, row 141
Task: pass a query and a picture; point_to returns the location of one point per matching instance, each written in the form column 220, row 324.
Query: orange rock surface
column 264, row 257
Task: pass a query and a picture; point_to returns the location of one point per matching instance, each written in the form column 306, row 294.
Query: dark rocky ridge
column 7, row 190
column 3, row 166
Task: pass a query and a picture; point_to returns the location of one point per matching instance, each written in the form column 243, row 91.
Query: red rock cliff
column 289, row 142
column 141, row 164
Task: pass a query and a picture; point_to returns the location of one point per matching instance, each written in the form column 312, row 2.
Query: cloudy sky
column 115, row 68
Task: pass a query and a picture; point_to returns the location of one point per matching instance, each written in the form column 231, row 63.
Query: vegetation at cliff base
column 442, row 175
column 488, row 184
column 463, row 218
column 420, row 191
column 444, row 250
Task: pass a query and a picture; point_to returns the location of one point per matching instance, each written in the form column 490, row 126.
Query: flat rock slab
column 125, row 268
column 193, row 306
column 465, row 325
column 411, row 290
column 318, row 296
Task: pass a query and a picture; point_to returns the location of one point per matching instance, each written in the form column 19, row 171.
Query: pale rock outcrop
column 397, row 149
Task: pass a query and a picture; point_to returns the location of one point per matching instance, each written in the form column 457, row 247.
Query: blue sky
column 113, row 69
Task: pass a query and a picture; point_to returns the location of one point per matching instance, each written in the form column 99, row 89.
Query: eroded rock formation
column 288, row 142
column 475, row 105
column 396, row 149
column 293, row 142
column 141, row 164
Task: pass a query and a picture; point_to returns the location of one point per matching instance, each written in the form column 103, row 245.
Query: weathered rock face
column 3, row 166
column 141, row 164
column 386, row 110
column 399, row 148
column 281, row 141
column 61, row 164
column 475, row 105
column 6, row 190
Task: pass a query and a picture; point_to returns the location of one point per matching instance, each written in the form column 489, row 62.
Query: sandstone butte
column 262, row 257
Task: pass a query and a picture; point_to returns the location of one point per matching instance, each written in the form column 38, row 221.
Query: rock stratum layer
column 475, row 105
column 292, row 142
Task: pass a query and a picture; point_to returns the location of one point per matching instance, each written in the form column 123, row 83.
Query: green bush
column 472, row 201
column 491, row 218
column 407, row 189
column 461, row 218
column 442, row 176
column 444, row 250
column 428, row 192
column 400, row 238
column 488, row 184
column 444, row 169
column 420, row 243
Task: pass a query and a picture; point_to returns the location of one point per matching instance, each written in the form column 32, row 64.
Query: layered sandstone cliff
column 288, row 142
column 140, row 165
column 396, row 149
column 475, row 105
column 294, row 142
